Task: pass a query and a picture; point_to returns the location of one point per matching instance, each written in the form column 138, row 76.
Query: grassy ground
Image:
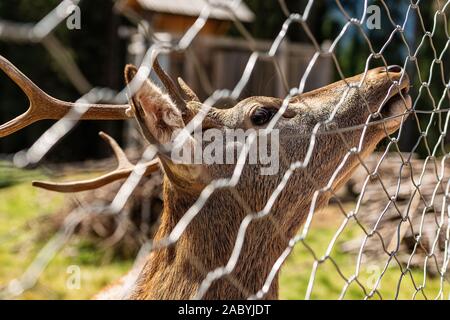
column 329, row 281
column 21, row 204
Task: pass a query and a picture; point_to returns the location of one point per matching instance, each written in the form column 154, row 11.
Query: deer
column 357, row 113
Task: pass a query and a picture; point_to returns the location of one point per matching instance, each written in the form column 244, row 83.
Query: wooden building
column 177, row 16
column 215, row 61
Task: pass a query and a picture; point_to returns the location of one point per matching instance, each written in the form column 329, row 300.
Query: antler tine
column 122, row 160
column 30, row 90
column 24, row 83
column 170, row 86
column 42, row 106
column 187, row 90
column 123, row 170
column 16, row 124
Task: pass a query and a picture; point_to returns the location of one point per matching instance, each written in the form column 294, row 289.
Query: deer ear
column 160, row 121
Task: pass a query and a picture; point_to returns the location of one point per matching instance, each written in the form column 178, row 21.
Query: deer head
column 320, row 138
column 351, row 104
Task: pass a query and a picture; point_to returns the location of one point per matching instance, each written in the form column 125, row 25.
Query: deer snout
column 393, row 102
column 394, row 68
column 393, row 75
column 379, row 94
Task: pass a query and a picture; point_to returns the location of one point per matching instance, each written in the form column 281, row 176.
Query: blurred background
column 70, row 62
column 67, row 63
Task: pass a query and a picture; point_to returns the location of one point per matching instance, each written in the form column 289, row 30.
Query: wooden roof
column 194, row 8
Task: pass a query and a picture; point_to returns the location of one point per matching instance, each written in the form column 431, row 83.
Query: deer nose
column 394, row 68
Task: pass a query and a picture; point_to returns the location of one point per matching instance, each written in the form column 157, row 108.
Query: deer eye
column 261, row 116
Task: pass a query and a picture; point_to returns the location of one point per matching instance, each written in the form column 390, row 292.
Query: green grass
column 10, row 175
column 20, row 242
column 21, row 204
column 328, row 281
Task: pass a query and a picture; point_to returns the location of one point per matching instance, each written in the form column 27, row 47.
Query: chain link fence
column 398, row 221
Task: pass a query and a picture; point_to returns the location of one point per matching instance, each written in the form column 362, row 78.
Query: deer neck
column 177, row 272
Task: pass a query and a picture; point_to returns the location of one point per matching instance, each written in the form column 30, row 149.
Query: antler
column 123, row 170
column 187, row 90
column 169, row 85
column 44, row 107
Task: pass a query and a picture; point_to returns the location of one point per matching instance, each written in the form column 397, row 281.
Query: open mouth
column 395, row 109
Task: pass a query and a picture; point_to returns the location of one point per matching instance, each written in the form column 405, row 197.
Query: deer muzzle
column 379, row 96
column 397, row 103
